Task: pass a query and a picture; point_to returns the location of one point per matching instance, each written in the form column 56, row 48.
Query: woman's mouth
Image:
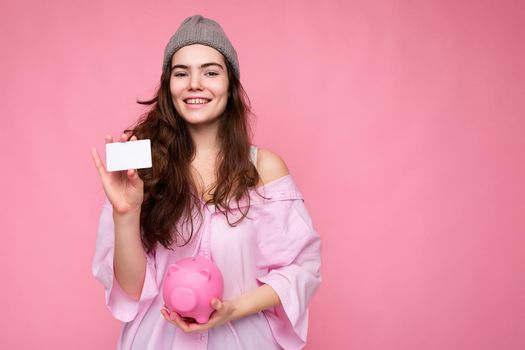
column 196, row 101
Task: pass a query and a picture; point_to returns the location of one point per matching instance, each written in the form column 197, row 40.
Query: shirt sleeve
column 120, row 304
column 289, row 252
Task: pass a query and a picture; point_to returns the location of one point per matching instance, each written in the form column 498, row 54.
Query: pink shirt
column 277, row 246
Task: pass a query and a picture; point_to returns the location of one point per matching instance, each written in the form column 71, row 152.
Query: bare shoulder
column 270, row 166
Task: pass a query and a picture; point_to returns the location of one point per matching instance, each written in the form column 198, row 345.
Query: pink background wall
column 401, row 121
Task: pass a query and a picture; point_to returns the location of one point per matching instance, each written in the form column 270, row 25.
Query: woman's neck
column 205, row 140
column 204, row 162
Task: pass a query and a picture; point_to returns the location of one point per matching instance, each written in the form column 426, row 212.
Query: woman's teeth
column 193, row 101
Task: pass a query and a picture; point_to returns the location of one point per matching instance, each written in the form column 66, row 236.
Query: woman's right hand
column 124, row 189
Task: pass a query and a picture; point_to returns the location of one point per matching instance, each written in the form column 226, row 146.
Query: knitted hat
column 199, row 30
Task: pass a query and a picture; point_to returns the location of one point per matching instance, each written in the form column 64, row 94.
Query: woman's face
column 199, row 84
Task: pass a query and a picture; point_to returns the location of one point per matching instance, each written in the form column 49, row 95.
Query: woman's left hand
column 222, row 314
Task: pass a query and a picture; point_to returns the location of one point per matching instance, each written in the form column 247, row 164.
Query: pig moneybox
column 189, row 286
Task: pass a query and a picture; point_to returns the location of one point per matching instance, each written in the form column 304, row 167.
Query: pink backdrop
column 401, row 121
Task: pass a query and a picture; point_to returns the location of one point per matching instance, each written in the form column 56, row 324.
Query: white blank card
column 128, row 155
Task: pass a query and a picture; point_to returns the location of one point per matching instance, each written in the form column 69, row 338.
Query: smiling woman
column 206, row 178
column 200, row 90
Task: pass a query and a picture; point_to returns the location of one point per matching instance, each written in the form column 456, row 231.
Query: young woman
column 212, row 193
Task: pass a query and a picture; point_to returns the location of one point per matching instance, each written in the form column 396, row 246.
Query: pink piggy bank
column 189, row 286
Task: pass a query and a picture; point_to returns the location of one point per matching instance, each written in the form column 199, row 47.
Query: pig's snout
column 183, row 299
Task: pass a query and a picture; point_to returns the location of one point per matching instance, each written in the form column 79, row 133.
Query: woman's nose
column 195, row 81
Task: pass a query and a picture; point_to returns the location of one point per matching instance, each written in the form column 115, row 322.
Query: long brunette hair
column 170, row 194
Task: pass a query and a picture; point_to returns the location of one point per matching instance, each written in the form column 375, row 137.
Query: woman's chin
column 191, row 120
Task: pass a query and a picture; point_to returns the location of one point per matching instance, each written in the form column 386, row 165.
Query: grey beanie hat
column 200, row 30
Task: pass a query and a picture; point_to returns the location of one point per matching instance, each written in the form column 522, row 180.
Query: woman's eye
column 213, row 73
column 180, row 74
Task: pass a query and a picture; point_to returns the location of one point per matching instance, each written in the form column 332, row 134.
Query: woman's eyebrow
column 204, row 65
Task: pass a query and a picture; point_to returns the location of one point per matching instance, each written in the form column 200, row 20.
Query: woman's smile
column 196, row 103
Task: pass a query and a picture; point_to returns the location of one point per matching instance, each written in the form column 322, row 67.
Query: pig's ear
column 206, row 273
column 173, row 268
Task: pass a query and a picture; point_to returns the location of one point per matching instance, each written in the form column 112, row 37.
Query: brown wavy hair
column 171, row 202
